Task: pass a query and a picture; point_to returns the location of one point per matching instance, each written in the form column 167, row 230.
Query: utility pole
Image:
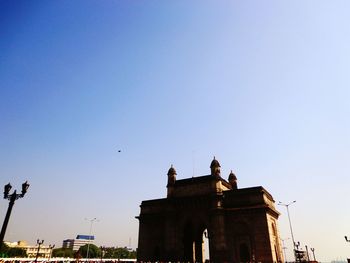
column 88, row 246
column 290, row 225
column 284, row 248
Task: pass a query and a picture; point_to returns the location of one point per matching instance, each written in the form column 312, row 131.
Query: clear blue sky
column 262, row 85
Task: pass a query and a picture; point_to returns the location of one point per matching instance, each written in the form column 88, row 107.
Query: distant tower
column 171, row 179
column 232, row 179
column 215, row 168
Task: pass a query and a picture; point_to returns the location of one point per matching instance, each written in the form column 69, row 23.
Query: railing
column 67, row 260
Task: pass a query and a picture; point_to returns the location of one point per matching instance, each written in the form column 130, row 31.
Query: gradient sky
column 262, row 85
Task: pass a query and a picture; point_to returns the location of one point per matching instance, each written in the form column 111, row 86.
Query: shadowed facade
column 240, row 224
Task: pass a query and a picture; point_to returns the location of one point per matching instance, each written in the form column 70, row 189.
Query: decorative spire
column 172, row 171
column 232, row 180
column 215, row 168
column 171, row 175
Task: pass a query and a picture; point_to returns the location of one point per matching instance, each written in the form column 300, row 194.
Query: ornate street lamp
column 39, row 243
column 12, row 198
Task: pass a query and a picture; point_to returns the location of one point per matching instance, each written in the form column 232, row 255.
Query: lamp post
column 39, row 243
column 284, row 248
column 103, row 249
column 12, row 198
column 51, row 247
column 290, row 223
column 298, row 253
column 347, row 240
column 313, row 253
column 88, row 247
column 307, row 253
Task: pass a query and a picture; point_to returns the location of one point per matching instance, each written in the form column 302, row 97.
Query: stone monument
column 240, row 225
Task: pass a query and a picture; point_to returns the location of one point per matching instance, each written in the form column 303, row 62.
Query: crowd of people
column 64, row 260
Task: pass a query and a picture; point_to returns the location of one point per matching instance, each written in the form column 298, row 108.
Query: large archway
column 206, row 251
column 244, row 253
column 196, row 243
column 189, row 242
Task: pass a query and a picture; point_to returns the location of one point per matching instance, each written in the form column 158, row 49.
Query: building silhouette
column 79, row 241
column 32, row 250
column 240, row 224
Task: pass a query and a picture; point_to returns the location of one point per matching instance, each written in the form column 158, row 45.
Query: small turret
column 215, row 168
column 171, row 176
column 171, row 180
column 232, row 179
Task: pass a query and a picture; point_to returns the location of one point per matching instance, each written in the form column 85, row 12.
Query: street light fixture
column 51, row 247
column 39, row 243
column 313, row 253
column 103, row 250
column 88, row 246
column 284, row 248
column 290, row 224
column 346, row 239
column 298, row 252
column 12, row 198
column 307, row 253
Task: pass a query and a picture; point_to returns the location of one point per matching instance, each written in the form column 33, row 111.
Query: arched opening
column 201, row 245
column 244, row 253
column 276, row 242
column 206, row 253
column 189, row 243
column 156, row 253
column 274, row 231
column 243, row 243
column 196, row 243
